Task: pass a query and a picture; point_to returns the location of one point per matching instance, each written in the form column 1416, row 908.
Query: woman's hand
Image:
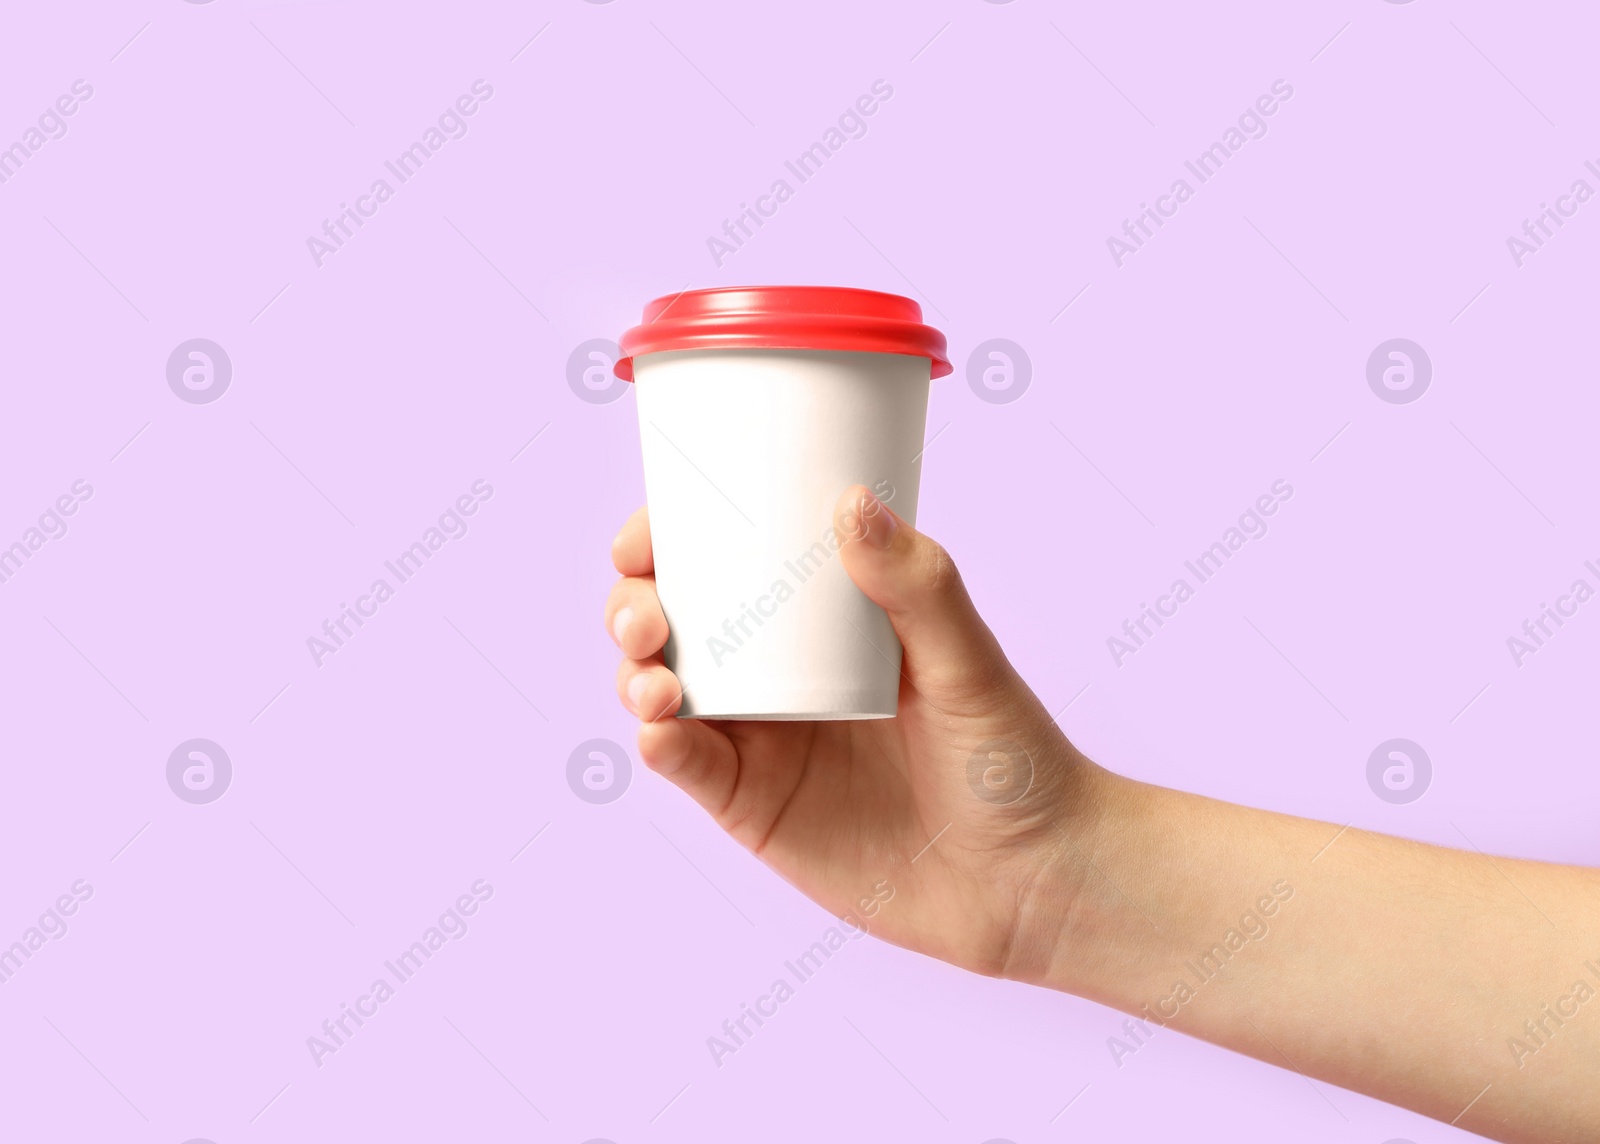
column 939, row 823
column 968, row 828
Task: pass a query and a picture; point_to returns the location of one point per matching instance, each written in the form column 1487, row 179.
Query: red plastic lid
column 784, row 317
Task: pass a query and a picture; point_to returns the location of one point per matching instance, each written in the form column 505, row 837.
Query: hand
column 1295, row 941
column 840, row 808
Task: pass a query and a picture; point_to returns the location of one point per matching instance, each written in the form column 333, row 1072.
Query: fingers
column 648, row 689
column 914, row 580
column 634, row 617
column 694, row 757
column 630, row 551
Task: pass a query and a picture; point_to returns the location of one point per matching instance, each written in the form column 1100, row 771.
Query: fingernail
column 877, row 523
column 636, row 687
column 619, row 624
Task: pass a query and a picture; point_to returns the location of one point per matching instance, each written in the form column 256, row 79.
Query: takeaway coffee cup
column 758, row 407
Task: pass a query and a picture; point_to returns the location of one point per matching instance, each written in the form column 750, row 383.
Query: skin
column 1463, row 986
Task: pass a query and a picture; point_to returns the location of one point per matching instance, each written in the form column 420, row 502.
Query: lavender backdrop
column 223, row 507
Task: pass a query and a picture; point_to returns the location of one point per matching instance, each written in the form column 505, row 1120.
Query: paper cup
column 746, row 448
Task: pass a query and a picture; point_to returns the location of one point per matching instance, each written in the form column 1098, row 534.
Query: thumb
column 912, row 578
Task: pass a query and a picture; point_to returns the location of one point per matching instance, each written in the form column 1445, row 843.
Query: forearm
column 1404, row 971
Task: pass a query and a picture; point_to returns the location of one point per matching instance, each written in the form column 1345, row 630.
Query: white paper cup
column 746, row 451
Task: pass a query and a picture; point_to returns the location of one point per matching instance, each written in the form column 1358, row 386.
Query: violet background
column 368, row 394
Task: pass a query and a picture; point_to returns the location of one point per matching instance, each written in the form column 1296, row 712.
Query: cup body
column 746, row 452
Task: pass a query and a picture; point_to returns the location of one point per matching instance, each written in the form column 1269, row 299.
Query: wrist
column 1081, row 918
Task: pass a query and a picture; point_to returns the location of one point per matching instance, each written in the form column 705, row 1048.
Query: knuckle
column 940, row 576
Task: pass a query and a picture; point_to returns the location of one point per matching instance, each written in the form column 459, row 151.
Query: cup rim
column 784, row 317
